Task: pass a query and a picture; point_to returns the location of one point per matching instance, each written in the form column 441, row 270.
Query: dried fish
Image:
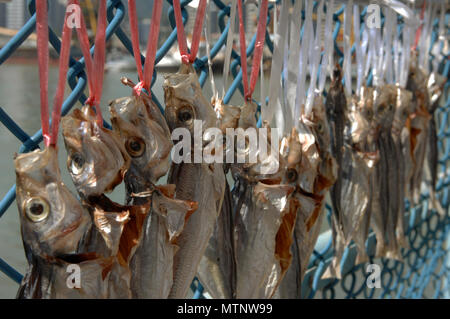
column 360, row 157
column 336, row 108
column 387, row 171
column 54, row 225
column 217, row 268
column 146, row 136
column 200, row 182
column 403, row 108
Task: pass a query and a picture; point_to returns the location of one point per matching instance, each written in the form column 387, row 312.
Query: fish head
column 53, row 222
column 384, row 100
column 291, row 152
column 320, row 127
column 361, row 119
column 145, row 135
column 403, row 109
column 185, row 102
column 97, row 160
column 227, row 115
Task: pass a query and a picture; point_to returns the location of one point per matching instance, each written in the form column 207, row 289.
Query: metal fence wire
column 425, row 271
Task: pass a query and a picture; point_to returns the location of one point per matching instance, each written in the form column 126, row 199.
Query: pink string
column 187, row 58
column 152, row 44
column 63, row 66
column 94, row 66
column 42, row 51
column 259, row 47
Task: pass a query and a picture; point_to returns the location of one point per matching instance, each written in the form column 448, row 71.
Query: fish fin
column 284, row 239
column 132, row 232
column 168, row 190
column 414, row 132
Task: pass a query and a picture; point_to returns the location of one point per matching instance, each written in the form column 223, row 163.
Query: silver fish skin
column 260, row 215
column 360, row 157
column 417, row 83
column 384, row 107
column 200, row 182
column 326, row 176
column 336, row 109
column 217, row 269
column 87, row 146
column 152, row 263
column 402, row 111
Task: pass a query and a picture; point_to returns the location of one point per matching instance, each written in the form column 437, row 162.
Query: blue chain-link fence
column 425, row 271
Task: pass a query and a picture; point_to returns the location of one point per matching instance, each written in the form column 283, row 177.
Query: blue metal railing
column 425, row 271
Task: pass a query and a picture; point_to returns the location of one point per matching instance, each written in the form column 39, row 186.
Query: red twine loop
column 145, row 77
column 189, row 58
column 94, row 67
column 51, row 138
column 259, row 46
column 419, row 30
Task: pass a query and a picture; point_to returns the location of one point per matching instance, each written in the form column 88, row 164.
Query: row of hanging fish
column 365, row 147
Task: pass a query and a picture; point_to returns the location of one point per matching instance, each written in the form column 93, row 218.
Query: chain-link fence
column 425, row 271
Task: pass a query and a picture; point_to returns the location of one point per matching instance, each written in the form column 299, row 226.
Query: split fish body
column 217, row 269
column 200, row 182
column 388, row 175
column 336, row 109
column 402, row 112
column 146, row 137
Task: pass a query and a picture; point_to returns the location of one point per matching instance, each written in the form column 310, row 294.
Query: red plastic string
column 85, row 48
column 243, row 48
column 99, row 59
column 152, row 43
column 259, row 47
column 63, row 66
column 135, row 36
column 187, row 58
column 42, row 51
column 94, row 66
column 419, row 30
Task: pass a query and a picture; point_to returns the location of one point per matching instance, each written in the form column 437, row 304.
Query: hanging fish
column 146, row 137
column 217, row 269
column 387, row 177
column 53, row 226
column 336, row 108
column 420, row 120
column 360, row 157
column 200, row 182
column 403, row 108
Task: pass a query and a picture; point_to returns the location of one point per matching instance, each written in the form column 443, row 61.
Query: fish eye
column 77, row 162
column 135, row 146
column 291, row 175
column 36, row 209
column 320, row 127
column 185, row 115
